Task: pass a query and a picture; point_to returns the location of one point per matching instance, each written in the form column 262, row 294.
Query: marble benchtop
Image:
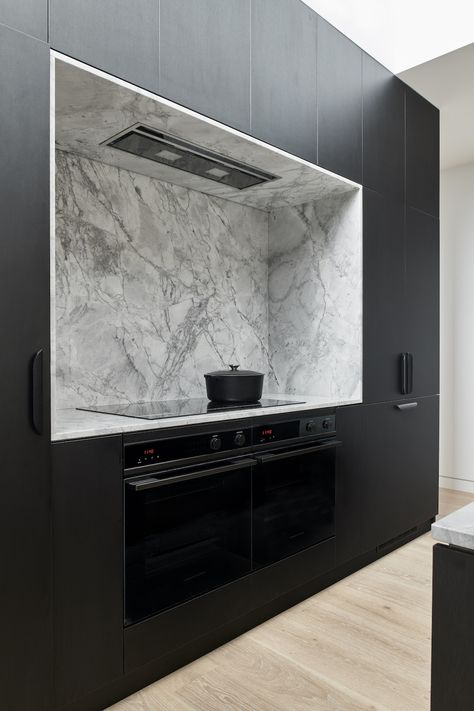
column 457, row 529
column 70, row 423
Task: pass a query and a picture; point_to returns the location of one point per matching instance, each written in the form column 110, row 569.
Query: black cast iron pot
column 234, row 385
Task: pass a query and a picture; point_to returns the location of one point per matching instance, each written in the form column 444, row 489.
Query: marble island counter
column 457, row 529
column 76, row 424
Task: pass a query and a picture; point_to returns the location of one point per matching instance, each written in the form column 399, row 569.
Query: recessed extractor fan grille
column 167, row 149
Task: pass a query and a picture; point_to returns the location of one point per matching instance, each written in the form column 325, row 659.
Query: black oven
column 204, row 509
column 187, row 531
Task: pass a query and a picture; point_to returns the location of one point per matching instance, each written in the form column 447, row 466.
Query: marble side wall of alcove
column 315, row 298
column 157, row 284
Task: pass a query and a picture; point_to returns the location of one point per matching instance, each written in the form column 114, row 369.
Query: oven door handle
column 270, row 457
column 154, row 483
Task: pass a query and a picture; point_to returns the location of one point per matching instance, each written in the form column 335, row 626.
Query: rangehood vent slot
column 170, row 150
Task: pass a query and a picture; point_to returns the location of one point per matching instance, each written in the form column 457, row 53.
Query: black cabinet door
column 383, row 130
column 117, row 36
column 284, row 76
column 205, row 57
column 402, row 464
column 339, row 103
column 452, row 658
column 28, row 16
column 422, row 300
column 383, row 296
column 88, row 562
column 387, row 472
column 422, row 153
column 25, row 550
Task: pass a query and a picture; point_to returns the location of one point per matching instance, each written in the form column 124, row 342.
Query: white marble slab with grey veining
column 457, row 529
column 76, row 424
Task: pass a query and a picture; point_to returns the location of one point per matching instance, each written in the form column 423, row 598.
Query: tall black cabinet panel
column 283, row 76
column 339, row 103
column 422, row 300
column 383, row 296
column 87, row 560
column 383, row 129
column 422, row 153
column 205, row 57
column 118, row 36
column 28, row 16
column 25, row 639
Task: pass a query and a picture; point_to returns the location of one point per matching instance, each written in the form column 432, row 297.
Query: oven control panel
column 320, row 425
column 167, row 450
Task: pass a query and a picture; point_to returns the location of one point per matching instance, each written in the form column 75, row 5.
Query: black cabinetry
column 205, row 57
column 117, row 36
column 401, row 298
column 25, row 672
column 88, row 566
column 422, row 300
column 28, row 16
column 383, row 129
column 452, row 659
column 339, row 103
column 283, row 76
column 383, row 296
column 387, row 479
column 422, row 153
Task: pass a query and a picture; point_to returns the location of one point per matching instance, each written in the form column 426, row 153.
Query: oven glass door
column 293, row 501
column 186, row 533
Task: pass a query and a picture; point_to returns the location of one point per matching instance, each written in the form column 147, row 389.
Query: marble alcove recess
column 160, row 275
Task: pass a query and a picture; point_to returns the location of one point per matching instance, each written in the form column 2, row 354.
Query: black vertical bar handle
column 403, row 373
column 409, row 373
column 37, row 392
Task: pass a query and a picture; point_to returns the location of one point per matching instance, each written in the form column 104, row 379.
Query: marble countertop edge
column 457, row 529
column 71, row 424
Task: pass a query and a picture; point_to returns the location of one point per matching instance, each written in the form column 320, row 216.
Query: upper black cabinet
column 383, row 296
column 205, row 57
column 339, row 103
column 118, row 36
column 283, row 76
column 422, row 153
column 422, row 300
column 25, row 546
column 383, row 129
column 28, row 16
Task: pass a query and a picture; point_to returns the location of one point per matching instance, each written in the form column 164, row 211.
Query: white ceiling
column 401, row 33
column 448, row 82
column 429, row 43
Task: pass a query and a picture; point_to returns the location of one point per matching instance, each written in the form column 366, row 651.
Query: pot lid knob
column 233, row 367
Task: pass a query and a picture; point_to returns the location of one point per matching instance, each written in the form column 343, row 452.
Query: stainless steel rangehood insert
column 170, row 150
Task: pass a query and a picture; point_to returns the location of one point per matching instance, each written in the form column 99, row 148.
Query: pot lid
column 233, row 371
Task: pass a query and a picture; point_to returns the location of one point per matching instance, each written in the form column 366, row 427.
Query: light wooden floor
column 363, row 643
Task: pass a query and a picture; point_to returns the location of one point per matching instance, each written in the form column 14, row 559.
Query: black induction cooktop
column 182, row 408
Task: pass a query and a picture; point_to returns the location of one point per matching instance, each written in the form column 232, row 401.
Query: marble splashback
column 155, row 285
column 315, row 298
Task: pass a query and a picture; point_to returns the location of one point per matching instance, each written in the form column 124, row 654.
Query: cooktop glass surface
column 182, row 408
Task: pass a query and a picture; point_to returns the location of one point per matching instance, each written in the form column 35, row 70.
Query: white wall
column 457, row 328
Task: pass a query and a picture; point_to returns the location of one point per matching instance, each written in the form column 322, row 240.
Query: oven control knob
column 239, row 439
column 216, row 443
column 311, row 426
column 327, row 424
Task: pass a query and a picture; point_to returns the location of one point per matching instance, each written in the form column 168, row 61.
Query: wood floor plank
column 362, row 644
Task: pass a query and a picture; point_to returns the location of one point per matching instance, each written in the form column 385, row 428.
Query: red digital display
column 267, row 432
column 148, row 452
